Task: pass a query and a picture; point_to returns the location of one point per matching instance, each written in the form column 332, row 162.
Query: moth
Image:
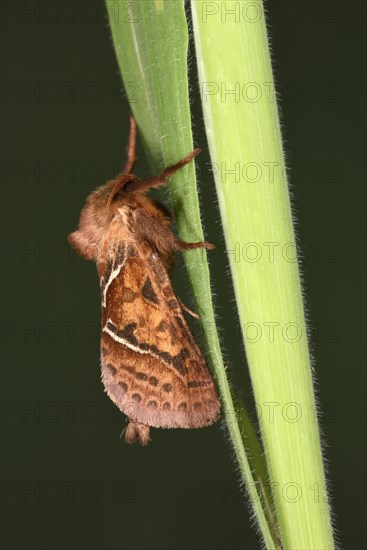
column 152, row 368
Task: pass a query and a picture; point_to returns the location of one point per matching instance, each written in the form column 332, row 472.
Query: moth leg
column 158, row 181
column 181, row 245
column 189, row 311
column 135, row 432
column 163, row 239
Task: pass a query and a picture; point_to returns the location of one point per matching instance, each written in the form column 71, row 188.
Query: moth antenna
column 157, row 181
column 131, row 158
column 180, row 164
column 124, row 176
column 121, row 181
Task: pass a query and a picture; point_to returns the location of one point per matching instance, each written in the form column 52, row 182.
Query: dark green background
column 67, row 480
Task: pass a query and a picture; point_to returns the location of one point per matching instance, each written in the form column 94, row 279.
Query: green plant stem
column 243, row 131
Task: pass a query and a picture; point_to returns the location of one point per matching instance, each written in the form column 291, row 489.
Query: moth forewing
column 152, row 367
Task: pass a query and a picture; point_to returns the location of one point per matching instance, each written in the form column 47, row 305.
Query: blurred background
column 68, row 482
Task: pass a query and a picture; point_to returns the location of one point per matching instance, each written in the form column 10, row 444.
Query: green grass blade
column 151, row 47
column 244, row 137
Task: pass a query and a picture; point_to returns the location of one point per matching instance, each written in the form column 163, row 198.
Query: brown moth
column 152, row 368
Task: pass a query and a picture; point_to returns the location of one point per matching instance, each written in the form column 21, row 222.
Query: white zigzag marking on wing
column 112, row 276
column 129, row 345
column 122, row 340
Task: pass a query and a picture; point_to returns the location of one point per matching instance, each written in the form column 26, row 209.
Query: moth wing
column 152, row 367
